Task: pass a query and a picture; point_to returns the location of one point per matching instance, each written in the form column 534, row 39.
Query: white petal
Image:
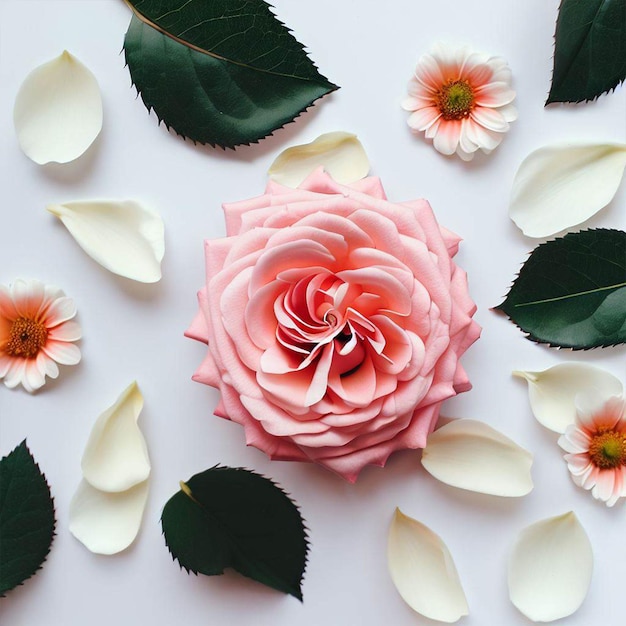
column 560, row 186
column 58, row 111
column 471, row 455
column 550, row 568
column 341, row 155
column 107, row 523
column 423, row 571
column 552, row 391
column 116, row 456
column 125, row 237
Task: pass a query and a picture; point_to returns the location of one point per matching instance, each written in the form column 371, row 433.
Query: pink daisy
column 461, row 100
column 36, row 333
column 596, row 447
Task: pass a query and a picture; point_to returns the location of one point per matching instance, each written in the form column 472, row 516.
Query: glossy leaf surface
column 231, row 517
column 224, row 72
column 571, row 292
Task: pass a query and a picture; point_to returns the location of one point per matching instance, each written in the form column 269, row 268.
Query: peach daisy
column 596, row 447
column 36, row 333
column 461, row 100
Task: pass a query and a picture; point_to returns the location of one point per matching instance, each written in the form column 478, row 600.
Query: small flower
column 461, row 100
column 35, row 333
column 596, row 447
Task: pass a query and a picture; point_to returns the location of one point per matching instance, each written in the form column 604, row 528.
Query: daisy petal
column 447, row 138
column 32, row 376
column 68, row 331
column 494, row 95
column 469, row 454
column 423, row 571
column 423, row 118
column 124, row 237
column 552, row 391
column 60, row 310
column 490, row 119
column 550, row 568
column 62, row 352
column 58, row 111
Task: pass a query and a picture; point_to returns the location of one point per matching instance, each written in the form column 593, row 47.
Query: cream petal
column 471, row 455
column 124, row 237
column 116, row 456
column 423, row 571
column 107, row 523
column 58, row 111
column 550, row 568
column 552, row 391
column 340, row 154
column 560, row 186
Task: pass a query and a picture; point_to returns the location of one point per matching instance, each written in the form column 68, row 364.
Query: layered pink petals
column 475, row 114
column 335, row 321
column 36, row 333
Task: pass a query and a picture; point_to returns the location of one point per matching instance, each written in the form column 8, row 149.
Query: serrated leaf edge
column 551, row 100
column 529, row 335
column 54, row 523
column 305, row 528
column 224, row 147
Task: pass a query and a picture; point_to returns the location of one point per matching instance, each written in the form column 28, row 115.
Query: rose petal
column 423, row 571
column 560, row 186
column 58, row 111
column 550, row 568
column 552, row 391
column 341, row 155
column 469, row 454
column 124, row 237
column 116, row 456
column 107, row 523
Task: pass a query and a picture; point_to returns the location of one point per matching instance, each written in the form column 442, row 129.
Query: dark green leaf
column 223, row 72
column 590, row 49
column 26, row 518
column 571, row 292
column 231, row 517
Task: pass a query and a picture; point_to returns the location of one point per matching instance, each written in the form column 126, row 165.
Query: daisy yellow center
column 607, row 449
column 455, row 100
column 26, row 338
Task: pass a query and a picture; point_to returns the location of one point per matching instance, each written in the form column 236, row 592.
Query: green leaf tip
column 27, row 521
column 590, row 50
column 232, row 517
column 219, row 73
column 571, row 292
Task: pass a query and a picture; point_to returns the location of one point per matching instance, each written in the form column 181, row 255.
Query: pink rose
column 335, row 321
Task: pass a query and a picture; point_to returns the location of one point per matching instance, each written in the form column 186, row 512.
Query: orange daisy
column 462, row 100
column 36, row 333
column 596, row 448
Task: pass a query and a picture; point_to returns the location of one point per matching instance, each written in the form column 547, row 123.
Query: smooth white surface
column 134, row 331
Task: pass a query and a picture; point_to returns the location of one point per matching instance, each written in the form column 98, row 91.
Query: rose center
column 607, row 449
column 26, row 338
column 455, row 100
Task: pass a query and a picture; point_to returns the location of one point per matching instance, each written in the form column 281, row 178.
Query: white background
column 134, row 331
